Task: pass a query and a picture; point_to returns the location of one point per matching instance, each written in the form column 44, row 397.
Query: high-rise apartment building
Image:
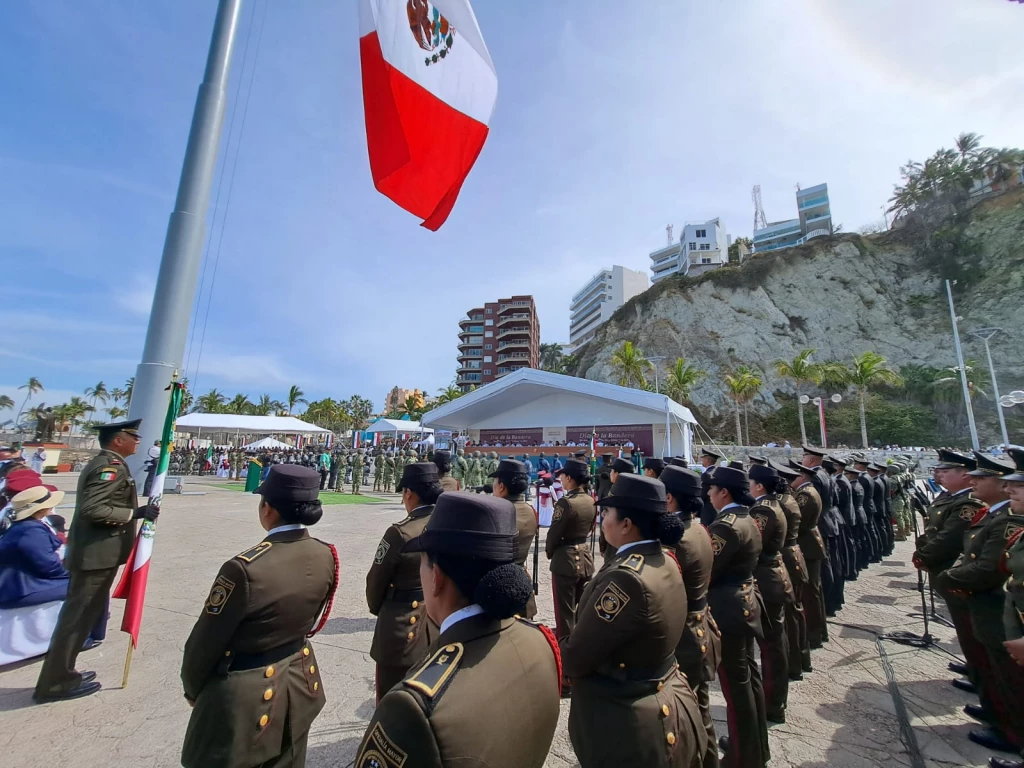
column 815, row 220
column 595, row 302
column 498, row 338
column 702, row 246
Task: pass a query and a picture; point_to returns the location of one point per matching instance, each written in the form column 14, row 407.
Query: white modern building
column 702, row 246
column 595, row 302
column 815, row 220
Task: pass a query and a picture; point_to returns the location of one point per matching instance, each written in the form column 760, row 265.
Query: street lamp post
column 985, row 334
column 963, row 369
column 820, row 402
column 654, row 361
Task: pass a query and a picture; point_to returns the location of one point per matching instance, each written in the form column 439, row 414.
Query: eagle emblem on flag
column 432, row 31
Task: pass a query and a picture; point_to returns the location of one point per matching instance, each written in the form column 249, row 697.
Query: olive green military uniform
column 630, row 705
column 99, row 540
column 1013, row 608
column 378, row 472
column 474, row 477
column 487, row 697
column 736, row 607
column 527, row 526
column 977, row 578
column 813, row 548
column 449, row 483
column 776, row 590
column 395, row 596
column 572, row 563
column 700, row 646
column 460, row 467
column 796, row 566
column 389, row 472
column 248, row 666
column 342, row 472
column 357, row 472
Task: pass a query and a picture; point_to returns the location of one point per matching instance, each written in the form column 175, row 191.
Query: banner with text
column 640, row 435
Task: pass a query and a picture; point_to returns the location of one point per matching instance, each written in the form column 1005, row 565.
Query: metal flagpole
column 963, row 370
column 985, row 334
column 183, row 245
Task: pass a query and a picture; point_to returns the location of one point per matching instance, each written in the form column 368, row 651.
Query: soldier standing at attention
column 618, row 467
column 389, row 472
column 100, row 539
column 861, row 538
column 443, row 462
column 621, row 653
column 604, row 472
column 572, row 565
column 378, row 470
column 460, row 468
column 653, row 467
column 938, row 548
column 248, row 668
column 1013, row 567
column 814, row 552
column 775, row 587
column 332, row 480
column 357, row 472
column 736, row 544
column 699, row 649
column 510, row 483
column 393, row 590
column 709, row 459
column 881, row 498
column 874, row 531
column 796, row 567
column 488, row 696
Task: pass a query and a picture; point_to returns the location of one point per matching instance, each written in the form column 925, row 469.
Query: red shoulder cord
column 672, row 553
column 553, row 642
column 979, row 515
column 329, row 602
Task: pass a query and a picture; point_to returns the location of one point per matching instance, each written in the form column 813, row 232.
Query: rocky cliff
column 841, row 296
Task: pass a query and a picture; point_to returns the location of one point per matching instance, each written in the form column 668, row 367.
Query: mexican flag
column 132, row 586
column 429, row 89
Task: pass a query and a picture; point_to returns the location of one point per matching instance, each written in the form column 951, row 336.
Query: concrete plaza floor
column 844, row 715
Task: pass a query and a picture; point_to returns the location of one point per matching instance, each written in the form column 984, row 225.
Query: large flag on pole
column 132, row 586
column 429, row 89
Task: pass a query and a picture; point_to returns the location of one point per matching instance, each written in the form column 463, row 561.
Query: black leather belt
column 243, row 661
column 696, row 606
column 732, row 581
column 405, row 595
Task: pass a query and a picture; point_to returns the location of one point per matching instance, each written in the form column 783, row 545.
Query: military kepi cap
column 952, row 460
column 576, row 469
column 991, row 467
column 764, row 475
column 509, row 468
column 1015, row 453
column 420, row 472
column 637, row 494
column 812, row 450
column 655, row 465
column 469, row 525
column 111, row 428
column 681, row 481
column 291, row 482
column 711, row 453
column 622, row 466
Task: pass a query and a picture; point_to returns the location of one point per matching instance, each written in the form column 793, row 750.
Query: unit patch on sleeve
column 219, row 594
column 611, row 602
column 382, row 551
column 379, row 751
column 108, row 473
column 967, row 513
column 717, row 544
column 1012, row 529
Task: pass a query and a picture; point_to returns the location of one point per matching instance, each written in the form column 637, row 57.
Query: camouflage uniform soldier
column 473, row 474
column 232, row 464
column 357, row 471
column 378, row 471
column 399, row 468
column 460, row 468
column 190, row 462
column 342, row 472
column 389, row 472
column 491, row 465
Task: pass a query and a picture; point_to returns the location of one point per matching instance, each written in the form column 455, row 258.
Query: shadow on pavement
column 346, row 626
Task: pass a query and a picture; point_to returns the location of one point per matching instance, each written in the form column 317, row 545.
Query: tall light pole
column 963, row 369
column 820, row 402
column 654, row 361
column 985, row 334
column 183, row 245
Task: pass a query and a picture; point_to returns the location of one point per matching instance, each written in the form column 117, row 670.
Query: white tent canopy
column 531, row 398
column 397, row 425
column 266, row 443
column 260, row 425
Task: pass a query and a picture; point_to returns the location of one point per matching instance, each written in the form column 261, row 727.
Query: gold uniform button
column 660, row 686
column 264, row 720
column 268, row 694
column 316, row 686
column 746, row 612
column 227, row 653
column 412, row 619
column 622, row 665
column 305, row 651
column 671, row 739
column 665, row 710
column 450, row 649
column 415, row 603
column 703, row 649
column 411, row 635
column 312, row 669
column 973, row 556
column 269, row 672
column 700, row 633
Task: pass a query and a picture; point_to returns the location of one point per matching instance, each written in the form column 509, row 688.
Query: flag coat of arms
column 429, row 89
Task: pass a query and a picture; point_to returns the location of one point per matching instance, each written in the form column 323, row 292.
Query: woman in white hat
column 31, row 573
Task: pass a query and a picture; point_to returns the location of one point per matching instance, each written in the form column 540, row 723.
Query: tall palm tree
column 34, row 386
column 98, row 393
column 631, row 365
column 448, row 394
column 412, row 407
column 681, row 379
column 868, row 370
column 948, row 379
column 295, row 396
column 751, row 385
column 551, row 357
column 77, row 410
column 802, row 371
column 735, row 386
column 129, row 385
column 117, row 395
column 115, row 412
column 239, row 404
column 6, row 402
column 211, row 402
column 967, row 144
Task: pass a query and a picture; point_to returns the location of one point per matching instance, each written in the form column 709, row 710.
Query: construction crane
column 760, row 222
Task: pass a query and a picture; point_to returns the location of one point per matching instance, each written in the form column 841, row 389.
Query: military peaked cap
column 622, row 466
column 680, row 481
column 991, row 467
column 469, row 525
column 637, row 494
column 290, row 482
column 952, row 460
column 509, row 468
column 131, row 427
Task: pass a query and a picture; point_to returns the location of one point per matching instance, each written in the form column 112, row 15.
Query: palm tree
column 34, row 386
column 802, row 371
column 211, row 402
column 6, row 402
column 129, row 385
column 411, row 407
column 295, row 396
column 631, row 365
column 751, row 385
column 949, row 379
column 448, row 394
column 63, row 416
column 116, row 413
column 735, row 386
column 967, row 144
column 98, row 393
column 264, row 407
column 867, row 371
column 77, row 409
column 551, row 357
column 117, row 394
column 239, row 404
column 681, row 379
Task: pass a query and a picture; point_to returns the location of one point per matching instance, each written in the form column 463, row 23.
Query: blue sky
column 611, row 122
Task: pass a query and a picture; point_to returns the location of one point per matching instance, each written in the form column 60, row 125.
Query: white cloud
column 138, row 297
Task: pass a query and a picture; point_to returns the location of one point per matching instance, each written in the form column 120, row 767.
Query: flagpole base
column 128, row 663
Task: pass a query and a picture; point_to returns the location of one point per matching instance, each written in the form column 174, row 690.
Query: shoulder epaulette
column 251, row 554
column 633, row 562
column 729, row 519
column 431, row 678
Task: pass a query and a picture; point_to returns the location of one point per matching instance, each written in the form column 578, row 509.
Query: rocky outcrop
column 841, row 296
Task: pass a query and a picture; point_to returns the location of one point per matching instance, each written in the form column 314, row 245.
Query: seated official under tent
column 539, row 409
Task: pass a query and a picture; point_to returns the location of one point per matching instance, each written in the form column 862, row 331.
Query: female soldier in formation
column 620, row 655
column 793, row 556
column 572, row 563
column 249, row 670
